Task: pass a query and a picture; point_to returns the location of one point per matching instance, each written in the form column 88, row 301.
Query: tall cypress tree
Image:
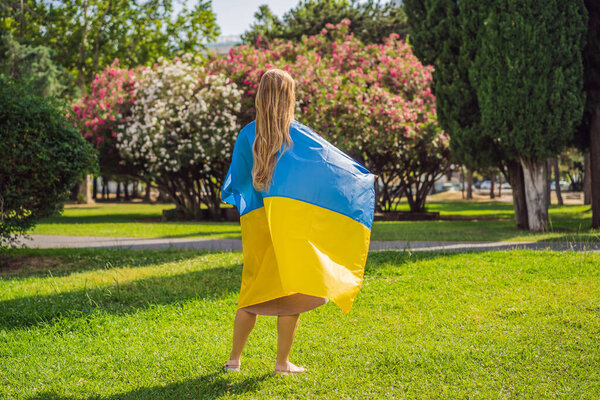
column 442, row 33
column 372, row 20
column 508, row 84
column 528, row 76
column 589, row 130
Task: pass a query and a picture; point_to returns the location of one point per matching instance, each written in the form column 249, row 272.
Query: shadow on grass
column 209, row 386
column 120, row 299
column 127, row 298
column 24, row 263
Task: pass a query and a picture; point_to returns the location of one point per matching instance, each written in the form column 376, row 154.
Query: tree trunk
column 377, row 198
column 126, row 190
column 595, row 167
column 587, row 179
column 514, row 176
column 105, row 189
column 74, row 192
column 534, row 174
column 492, row 186
column 147, row 194
column 95, row 189
column 469, row 184
column 163, row 196
column 557, row 181
column 85, row 191
column 500, row 185
column 118, row 196
column 214, row 210
column 462, row 183
column 548, row 183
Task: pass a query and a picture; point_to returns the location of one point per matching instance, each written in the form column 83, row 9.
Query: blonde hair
column 275, row 101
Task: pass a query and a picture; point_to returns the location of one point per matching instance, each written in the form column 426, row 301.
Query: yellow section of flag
column 291, row 246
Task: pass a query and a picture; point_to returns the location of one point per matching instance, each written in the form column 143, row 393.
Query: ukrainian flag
column 310, row 232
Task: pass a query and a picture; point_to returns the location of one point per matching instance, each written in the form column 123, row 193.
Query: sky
column 235, row 16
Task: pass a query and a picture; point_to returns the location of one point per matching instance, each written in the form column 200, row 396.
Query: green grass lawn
column 117, row 324
column 130, row 220
column 493, row 222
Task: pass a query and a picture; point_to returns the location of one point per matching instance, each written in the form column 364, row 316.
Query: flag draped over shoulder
column 310, row 232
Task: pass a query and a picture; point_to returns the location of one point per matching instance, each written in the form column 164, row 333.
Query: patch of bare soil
column 12, row 265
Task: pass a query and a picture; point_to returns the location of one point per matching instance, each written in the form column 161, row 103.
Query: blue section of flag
column 312, row 170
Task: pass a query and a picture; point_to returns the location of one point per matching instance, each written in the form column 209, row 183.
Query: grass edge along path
column 116, row 324
column 569, row 223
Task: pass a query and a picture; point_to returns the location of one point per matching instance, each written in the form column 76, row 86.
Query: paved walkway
column 45, row 242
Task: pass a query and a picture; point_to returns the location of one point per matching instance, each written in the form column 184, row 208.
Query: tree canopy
column 588, row 134
column 87, row 35
column 372, row 21
column 34, row 66
column 507, row 79
column 43, row 156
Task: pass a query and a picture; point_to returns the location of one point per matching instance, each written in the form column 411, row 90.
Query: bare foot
column 288, row 368
column 232, row 366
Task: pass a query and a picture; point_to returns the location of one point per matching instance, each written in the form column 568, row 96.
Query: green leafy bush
column 42, row 155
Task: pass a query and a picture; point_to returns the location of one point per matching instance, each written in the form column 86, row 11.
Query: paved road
column 43, row 241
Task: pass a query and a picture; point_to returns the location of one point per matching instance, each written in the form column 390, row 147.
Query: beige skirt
column 287, row 305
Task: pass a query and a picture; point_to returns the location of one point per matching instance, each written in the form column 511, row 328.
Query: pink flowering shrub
column 181, row 129
column 99, row 113
column 374, row 102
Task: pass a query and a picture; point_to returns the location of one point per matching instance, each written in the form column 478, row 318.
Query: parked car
column 485, row 185
column 449, row 186
column 506, row 186
column 563, row 185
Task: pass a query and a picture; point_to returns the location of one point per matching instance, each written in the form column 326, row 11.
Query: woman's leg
column 286, row 330
column 244, row 322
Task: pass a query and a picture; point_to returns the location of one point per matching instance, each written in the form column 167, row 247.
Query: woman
column 306, row 211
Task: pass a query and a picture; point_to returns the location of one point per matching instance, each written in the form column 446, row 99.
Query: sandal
column 231, row 366
column 290, row 371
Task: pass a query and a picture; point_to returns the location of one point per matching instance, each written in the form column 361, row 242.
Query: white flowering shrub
column 182, row 130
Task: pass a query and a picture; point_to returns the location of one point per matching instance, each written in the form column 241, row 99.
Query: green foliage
column 372, row 21
column 591, row 73
column 267, row 26
column 441, row 33
column 87, row 35
column 432, row 27
column 43, row 156
column 372, row 101
column 507, row 82
column 528, row 73
column 34, row 65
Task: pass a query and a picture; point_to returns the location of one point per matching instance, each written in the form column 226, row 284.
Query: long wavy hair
column 275, row 101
